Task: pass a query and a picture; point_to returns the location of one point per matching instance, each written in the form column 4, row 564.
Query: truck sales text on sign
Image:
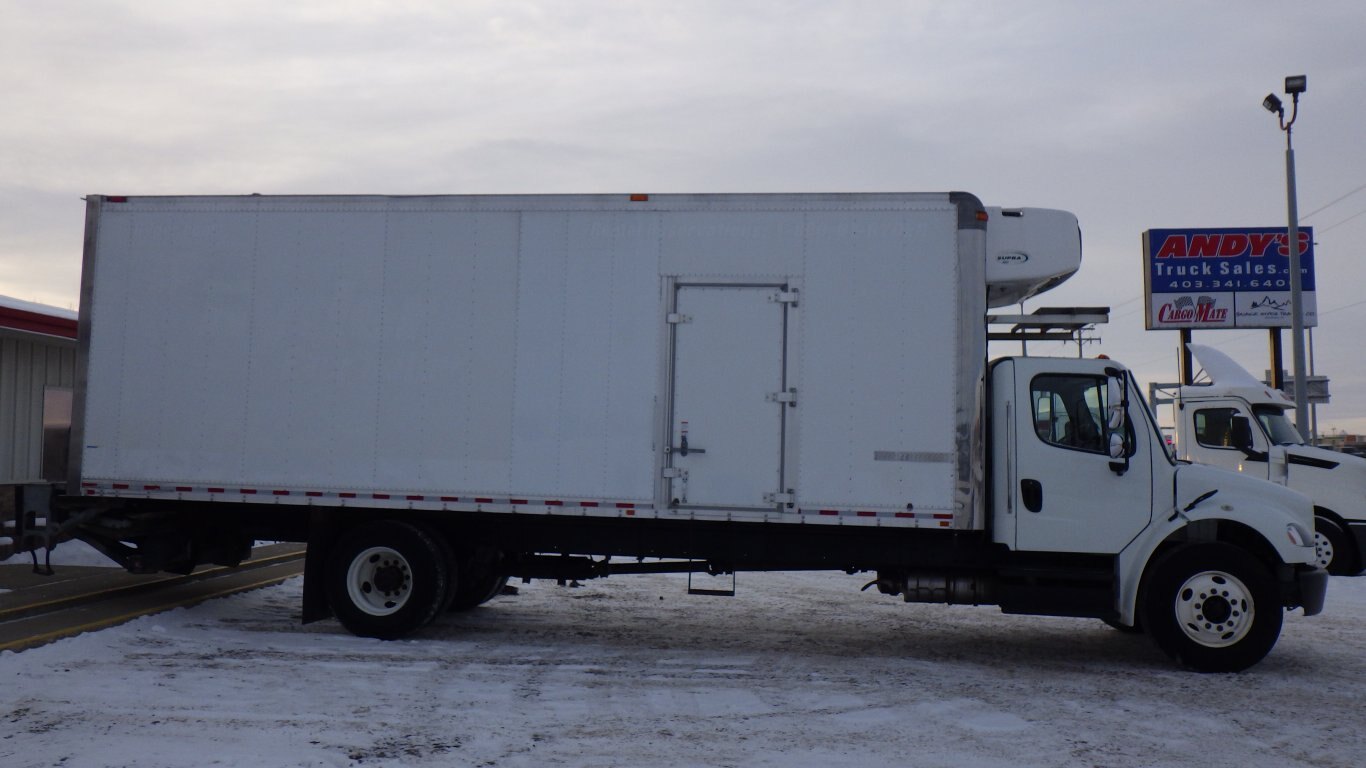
column 1224, row 278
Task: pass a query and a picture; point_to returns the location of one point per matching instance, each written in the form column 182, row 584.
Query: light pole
column 1294, row 86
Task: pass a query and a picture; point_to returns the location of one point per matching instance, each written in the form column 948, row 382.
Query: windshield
column 1277, row 425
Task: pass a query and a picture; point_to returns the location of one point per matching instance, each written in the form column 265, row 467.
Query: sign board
column 1317, row 393
column 1224, row 278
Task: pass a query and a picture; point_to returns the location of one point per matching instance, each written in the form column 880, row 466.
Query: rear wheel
column 478, row 588
column 1212, row 607
column 386, row 579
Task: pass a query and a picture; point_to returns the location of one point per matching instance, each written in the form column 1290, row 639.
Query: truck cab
column 1241, row 424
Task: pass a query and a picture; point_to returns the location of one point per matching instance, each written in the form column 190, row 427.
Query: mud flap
column 322, row 534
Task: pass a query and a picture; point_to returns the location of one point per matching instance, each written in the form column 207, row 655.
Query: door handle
column 684, row 450
column 1031, row 493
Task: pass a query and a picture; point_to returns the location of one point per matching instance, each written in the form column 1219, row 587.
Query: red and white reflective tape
column 939, row 519
column 143, row 490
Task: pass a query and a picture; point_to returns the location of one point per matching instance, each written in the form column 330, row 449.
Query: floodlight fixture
column 1273, row 104
column 1296, row 84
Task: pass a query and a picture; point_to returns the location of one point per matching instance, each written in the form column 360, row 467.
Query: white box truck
column 1239, row 423
column 438, row 393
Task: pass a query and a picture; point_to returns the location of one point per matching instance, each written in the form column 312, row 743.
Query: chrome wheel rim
column 1323, row 550
column 379, row 581
column 1214, row 609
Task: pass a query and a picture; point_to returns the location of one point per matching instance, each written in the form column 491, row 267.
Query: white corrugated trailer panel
column 587, row 356
column 517, row 346
column 878, row 360
column 345, row 345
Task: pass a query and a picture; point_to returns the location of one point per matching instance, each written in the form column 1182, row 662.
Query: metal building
column 37, row 376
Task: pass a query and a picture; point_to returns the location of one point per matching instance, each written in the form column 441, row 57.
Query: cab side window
column 1069, row 411
column 1214, row 427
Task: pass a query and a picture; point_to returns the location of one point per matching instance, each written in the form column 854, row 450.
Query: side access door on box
column 729, row 397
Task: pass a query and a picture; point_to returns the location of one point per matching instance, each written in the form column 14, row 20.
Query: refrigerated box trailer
column 438, row 393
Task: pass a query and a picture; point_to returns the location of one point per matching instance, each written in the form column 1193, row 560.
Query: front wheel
column 1332, row 548
column 1212, row 607
column 386, row 579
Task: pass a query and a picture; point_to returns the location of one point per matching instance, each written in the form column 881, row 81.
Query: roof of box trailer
column 590, row 201
column 40, row 319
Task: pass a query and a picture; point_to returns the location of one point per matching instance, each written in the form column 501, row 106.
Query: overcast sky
column 1133, row 116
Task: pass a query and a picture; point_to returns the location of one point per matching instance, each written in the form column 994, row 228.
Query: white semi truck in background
column 1239, row 423
column 439, row 393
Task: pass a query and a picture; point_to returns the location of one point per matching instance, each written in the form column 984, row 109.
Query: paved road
column 38, row 609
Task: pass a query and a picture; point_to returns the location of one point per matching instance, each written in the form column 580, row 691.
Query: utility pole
column 1294, row 86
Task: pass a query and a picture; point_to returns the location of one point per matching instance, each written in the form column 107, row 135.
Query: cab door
column 1211, row 437
column 1059, row 489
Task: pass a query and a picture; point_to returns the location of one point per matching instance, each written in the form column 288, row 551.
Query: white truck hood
column 1274, row 505
column 1231, row 379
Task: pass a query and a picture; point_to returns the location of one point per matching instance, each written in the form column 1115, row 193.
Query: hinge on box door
column 789, row 397
column 784, row 297
column 674, row 318
column 672, row 472
column 780, row 498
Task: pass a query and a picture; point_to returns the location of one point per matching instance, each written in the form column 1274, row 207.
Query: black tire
column 1335, row 553
column 476, row 589
column 453, row 577
column 1212, row 607
column 386, row 579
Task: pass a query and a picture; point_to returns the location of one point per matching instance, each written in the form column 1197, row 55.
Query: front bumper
column 1358, row 531
column 1310, row 588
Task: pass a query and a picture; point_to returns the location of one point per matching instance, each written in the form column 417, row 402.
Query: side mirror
column 1114, row 419
column 1240, row 434
column 1118, row 450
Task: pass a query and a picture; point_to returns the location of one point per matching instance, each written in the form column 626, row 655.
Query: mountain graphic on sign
column 1269, row 303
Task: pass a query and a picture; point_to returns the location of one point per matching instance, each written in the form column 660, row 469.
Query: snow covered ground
column 796, row 670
